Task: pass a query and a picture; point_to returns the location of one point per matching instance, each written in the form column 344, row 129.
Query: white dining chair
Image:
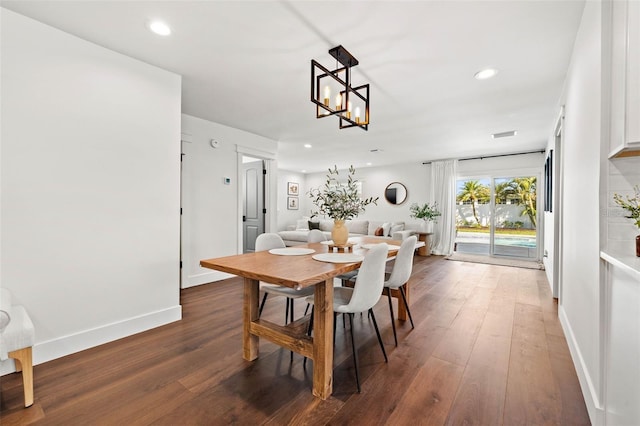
column 362, row 297
column 400, row 274
column 316, row 236
column 270, row 241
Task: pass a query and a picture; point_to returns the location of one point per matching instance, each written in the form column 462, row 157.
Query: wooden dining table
column 298, row 272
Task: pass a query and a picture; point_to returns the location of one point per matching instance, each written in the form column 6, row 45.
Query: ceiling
column 246, row 64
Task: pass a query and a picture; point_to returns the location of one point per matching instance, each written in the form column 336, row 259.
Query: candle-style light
column 331, row 91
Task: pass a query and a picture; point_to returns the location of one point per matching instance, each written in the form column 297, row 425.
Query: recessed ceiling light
column 368, row 164
column 504, row 134
column 303, row 171
column 485, row 74
column 159, row 28
column 307, row 145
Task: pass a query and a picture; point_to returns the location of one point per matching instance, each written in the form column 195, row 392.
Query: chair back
column 316, row 236
column 403, row 264
column 269, row 241
column 370, row 280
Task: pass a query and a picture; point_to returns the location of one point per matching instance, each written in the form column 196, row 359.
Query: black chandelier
column 350, row 104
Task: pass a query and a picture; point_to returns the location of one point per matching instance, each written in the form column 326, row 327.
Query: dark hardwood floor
column 487, row 349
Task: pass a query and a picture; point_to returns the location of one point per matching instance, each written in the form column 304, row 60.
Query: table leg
column 323, row 340
column 250, row 342
column 402, row 311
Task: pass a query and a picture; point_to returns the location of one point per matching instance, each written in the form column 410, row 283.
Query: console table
column 424, row 250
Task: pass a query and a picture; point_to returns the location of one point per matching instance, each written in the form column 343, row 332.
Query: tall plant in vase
column 339, row 201
column 427, row 212
column 632, row 205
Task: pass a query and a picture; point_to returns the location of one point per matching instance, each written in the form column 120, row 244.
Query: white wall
column 285, row 216
column 90, row 188
column 580, row 281
column 514, row 165
column 211, row 215
column 374, row 181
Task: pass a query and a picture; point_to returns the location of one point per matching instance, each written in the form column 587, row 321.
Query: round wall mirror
column 395, row 193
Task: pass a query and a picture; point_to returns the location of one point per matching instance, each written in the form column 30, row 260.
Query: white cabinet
column 625, row 78
column 622, row 340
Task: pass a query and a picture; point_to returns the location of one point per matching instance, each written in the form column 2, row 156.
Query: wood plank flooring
column 487, row 349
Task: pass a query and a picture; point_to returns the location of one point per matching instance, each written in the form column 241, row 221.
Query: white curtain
column 443, row 192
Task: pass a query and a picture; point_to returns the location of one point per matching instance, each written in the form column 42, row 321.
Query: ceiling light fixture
column 350, row 102
column 485, row 74
column 504, row 134
column 307, row 145
column 160, row 28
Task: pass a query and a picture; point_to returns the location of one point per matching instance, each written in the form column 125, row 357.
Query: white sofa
column 297, row 234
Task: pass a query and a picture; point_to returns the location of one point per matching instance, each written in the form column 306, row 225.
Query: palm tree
column 525, row 194
column 473, row 192
column 501, row 191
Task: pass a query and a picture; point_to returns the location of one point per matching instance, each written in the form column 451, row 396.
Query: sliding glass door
column 497, row 216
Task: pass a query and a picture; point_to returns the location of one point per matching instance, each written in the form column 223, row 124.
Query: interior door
column 253, row 205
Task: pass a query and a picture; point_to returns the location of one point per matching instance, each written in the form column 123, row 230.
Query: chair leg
column 406, row 305
column 335, row 319
column 393, row 321
column 264, row 299
column 355, row 351
column 375, row 325
column 310, row 328
column 289, row 313
column 24, row 358
column 286, row 311
column 307, row 309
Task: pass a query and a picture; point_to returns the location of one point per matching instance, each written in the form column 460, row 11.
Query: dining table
column 313, row 264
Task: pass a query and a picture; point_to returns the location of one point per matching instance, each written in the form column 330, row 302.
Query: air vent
column 504, row 134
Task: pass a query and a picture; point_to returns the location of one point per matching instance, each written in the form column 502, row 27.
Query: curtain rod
column 541, row 151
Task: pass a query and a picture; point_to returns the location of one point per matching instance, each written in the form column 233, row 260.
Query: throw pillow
column 395, row 228
column 379, row 232
column 386, row 227
column 302, row 225
column 314, row 225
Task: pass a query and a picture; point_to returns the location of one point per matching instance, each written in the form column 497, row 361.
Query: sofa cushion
column 357, row 226
column 396, row 228
column 379, row 232
column 326, row 225
column 302, row 225
column 313, row 225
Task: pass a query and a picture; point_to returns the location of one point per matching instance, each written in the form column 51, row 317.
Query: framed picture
column 292, row 189
column 292, row 203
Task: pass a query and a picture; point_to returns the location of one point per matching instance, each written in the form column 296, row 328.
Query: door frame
column 558, row 170
column 270, row 182
column 501, row 173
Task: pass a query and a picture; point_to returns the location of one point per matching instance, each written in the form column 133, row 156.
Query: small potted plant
column 427, row 212
column 340, row 202
column 632, row 205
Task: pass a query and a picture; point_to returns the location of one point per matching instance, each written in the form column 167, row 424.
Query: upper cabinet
column 624, row 39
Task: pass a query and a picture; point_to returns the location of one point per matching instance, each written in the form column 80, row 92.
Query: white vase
column 426, row 226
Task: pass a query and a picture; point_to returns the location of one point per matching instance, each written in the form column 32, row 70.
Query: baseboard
column 67, row 345
column 594, row 406
column 207, row 277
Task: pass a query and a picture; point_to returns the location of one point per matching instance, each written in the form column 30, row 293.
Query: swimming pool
column 500, row 240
